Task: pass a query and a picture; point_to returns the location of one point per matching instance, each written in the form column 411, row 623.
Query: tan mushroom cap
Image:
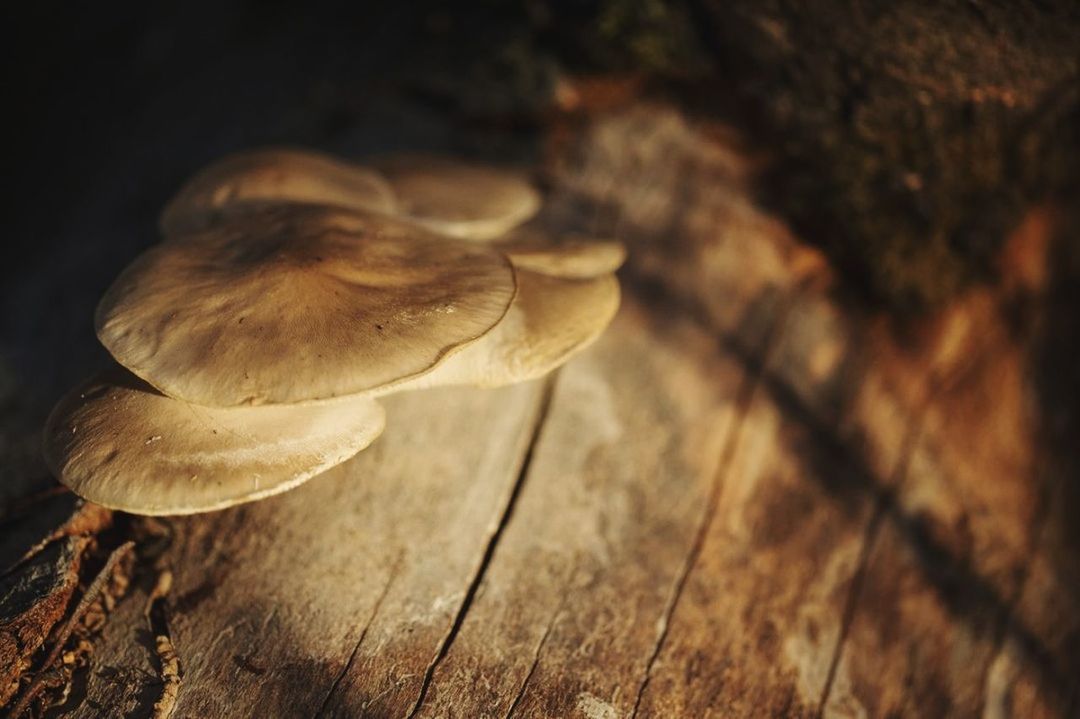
column 120, row 443
column 294, row 304
column 467, row 201
column 550, row 320
column 278, row 175
column 571, row 256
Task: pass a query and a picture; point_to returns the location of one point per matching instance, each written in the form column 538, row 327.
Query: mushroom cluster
column 289, row 292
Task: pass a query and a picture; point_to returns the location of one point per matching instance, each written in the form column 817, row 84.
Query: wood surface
column 749, row 498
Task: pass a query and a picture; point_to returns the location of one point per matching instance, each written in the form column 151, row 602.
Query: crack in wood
column 942, row 569
column 870, row 535
column 536, row 657
column 743, row 399
column 945, row 573
column 360, row 640
column 1007, row 623
column 489, row 550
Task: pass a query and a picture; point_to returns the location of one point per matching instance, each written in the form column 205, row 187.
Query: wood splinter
column 88, row 598
column 166, row 652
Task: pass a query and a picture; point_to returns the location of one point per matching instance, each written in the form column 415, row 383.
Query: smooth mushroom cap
column 550, row 320
column 295, row 304
column 467, row 201
column 572, row 256
column 120, row 443
column 278, row 175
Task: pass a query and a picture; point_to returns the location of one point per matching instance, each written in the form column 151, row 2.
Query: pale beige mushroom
column 294, row 304
column 274, row 175
column 449, row 197
column 550, row 320
column 120, row 443
column 570, row 256
column 458, row 199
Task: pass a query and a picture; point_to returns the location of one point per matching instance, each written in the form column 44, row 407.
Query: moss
column 913, row 135
column 648, row 36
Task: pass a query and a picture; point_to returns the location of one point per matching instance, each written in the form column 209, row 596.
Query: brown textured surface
column 32, row 601
column 748, row 498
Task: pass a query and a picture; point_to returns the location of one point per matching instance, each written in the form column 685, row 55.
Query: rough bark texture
column 910, row 136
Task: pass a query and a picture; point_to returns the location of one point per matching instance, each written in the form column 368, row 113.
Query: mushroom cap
column 550, row 320
column 572, row 256
column 273, row 174
column 463, row 200
column 294, row 304
column 120, row 443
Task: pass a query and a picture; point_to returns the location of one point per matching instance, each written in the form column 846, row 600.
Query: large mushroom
column 120, row 443
column 294, row 304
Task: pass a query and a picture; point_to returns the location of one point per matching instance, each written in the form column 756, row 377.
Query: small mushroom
column 572, row 256
column 550, row 320
column 292, row 304
column 448, row 197
column 120, row 443
column 458, row 199
column 279, row 175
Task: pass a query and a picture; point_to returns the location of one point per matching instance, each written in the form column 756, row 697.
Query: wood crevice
column 535, row 658
column 1007, row 623
column 489, row 550
column 870, row 535
column 360, row 640
column 743, row 399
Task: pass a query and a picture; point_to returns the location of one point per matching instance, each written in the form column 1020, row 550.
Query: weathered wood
column 956, row 537
column 748, row 498
column 32, row 601
column 762, row 606
column 123, row 676
column 934, row 417
column 277, row 604
column 570, row 606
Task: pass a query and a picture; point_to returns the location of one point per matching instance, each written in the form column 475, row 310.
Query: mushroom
column 478, row 203
column 291, row 304
column 281, row 175
column 288, row 279
column 120, row 443
column 458, row 199
column 549, row 321
column 573, row 256
column 446, row 196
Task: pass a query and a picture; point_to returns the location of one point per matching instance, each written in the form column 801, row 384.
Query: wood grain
column 573, row 601
column 749, row 498
column 279, row 607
